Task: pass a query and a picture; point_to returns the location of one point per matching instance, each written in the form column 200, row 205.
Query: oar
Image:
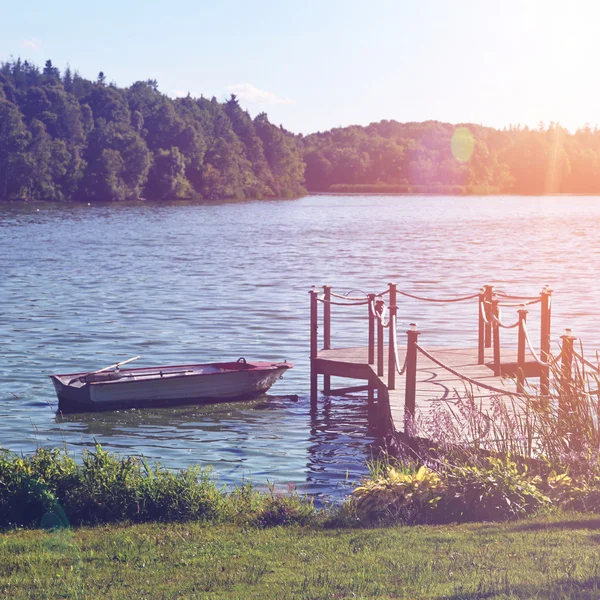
column 123, row 362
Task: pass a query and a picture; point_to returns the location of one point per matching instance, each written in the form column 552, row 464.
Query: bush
column 495, row 489
column 50, row 489
column 398, row 495
column 498, row 489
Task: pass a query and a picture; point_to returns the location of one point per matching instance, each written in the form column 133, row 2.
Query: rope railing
column 347, row 296
column 440, row 300
column 534, row 353
column 323, row 300
column 474, row 382
column 399, row 370
column 513, row 297
column 586, row 362
column 498, row 320
column 483, row 313
column 513, row 304
column 379, row 316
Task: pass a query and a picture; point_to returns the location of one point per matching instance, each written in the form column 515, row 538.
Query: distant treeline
column 64, row 137
column 434, row 157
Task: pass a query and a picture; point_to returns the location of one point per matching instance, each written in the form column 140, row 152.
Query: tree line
column 64, row 137
column 439, row 157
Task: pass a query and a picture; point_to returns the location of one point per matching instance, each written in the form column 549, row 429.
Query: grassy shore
column 555, row 556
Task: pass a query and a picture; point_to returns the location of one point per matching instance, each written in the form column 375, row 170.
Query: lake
column 84, row 286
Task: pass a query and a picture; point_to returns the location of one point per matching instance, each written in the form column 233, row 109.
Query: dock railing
column 382, row 316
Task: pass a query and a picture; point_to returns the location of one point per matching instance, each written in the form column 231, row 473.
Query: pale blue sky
column 313, row 65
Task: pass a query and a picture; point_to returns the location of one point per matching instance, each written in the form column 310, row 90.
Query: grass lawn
column 556, row 556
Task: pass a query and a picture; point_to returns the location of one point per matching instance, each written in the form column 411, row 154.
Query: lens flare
column 462, row 144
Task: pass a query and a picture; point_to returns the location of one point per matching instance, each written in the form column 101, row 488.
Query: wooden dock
column 430, row 376
column 434, row 384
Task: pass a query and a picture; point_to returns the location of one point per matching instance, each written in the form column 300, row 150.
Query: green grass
column 556, row 556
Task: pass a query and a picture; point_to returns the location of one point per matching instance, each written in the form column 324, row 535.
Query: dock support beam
column 314, row 330
column 545, row 339
column 488, row 294
column 410, row 395
column 379, row 310
column 481, row 328
column 371, row 358
column 327, row 333
column 495, row 311
column 566, row 375
column 521, row 350
column 392, row 339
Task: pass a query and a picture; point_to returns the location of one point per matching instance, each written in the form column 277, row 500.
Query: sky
column 312, row 65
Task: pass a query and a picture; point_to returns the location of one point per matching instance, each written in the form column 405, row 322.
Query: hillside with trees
column 64, row 137
column 444, row 158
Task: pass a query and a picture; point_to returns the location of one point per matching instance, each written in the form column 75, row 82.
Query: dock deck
column 434, row 384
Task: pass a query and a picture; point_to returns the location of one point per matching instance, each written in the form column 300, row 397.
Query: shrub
column 497, row 489
column 399, row 495
column 50, row 489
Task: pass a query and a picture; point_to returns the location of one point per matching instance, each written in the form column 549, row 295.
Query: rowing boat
column 113, row 388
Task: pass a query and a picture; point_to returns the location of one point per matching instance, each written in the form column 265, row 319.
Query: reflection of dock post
column 521, row 350
column 327, row 333
column 314, row 392
column 545, row 340
column 410, row 395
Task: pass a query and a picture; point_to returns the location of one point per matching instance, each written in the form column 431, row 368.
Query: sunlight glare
column 462, row 144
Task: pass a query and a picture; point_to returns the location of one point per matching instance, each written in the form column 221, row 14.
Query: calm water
column 84, row 286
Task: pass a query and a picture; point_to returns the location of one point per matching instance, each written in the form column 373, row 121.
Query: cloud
column 248, row 93
column 32, row 44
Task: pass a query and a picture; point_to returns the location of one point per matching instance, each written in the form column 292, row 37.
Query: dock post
column 497, row 362
column 545, row 339
column 521, row 349
column 379, row 310
column 410, row 394
column 392, row 339
column 313, row 349
column 489, row 295
column 327, row 333
column 481, row 328
column 566, row 374
column 371, row 307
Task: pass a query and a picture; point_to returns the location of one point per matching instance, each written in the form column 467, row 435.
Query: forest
column 67, row 138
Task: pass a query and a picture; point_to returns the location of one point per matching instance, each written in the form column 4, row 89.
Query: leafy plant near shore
column 493, row 489
column 50, row 489
column 504, row 462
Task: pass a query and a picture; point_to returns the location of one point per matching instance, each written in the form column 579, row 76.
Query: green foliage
column 67, row 138
column 440, row 158
column 490, row 490
column 50, row 489
column 399, row 495
column 497, row 489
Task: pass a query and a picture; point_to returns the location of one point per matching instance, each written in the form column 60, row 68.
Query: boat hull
column 170, row 385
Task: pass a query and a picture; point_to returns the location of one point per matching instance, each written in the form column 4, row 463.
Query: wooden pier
column 404, row 377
